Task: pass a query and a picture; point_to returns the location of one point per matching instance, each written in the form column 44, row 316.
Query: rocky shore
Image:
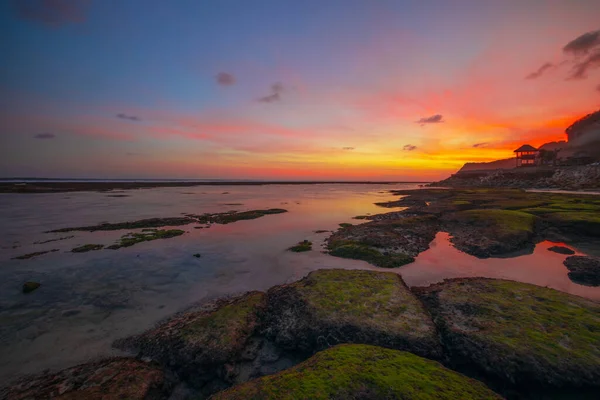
column 354, row 334
column 482, row 222
column 365, row 334
column 585, row 177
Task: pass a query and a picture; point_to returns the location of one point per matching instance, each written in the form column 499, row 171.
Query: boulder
column 334, row 306
column 584, row 270
column 520, row 336
column 203, row 345
column 115, row 378
column 362, row 372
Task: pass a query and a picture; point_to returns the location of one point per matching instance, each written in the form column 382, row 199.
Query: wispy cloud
column 582, row 53
column 583, row 44
column 348, row 148
column 225, row 79
column 128, row 117
column 51, row 13
column 45, row 135
column 483, row 144
column 434, row 119
column 276, row 91
column 540, row 71
column 581, row 68
column 409, row 147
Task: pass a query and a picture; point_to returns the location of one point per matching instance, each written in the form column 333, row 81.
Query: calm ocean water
column 88, row 300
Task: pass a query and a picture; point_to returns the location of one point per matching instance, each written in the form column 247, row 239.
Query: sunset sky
column 311, row 89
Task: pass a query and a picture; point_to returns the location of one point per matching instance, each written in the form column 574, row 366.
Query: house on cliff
column 526, row 156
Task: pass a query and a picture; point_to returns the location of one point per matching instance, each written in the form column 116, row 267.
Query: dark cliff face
column 585, row 130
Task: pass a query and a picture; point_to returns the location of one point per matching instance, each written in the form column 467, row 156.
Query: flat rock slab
column 335, row 306
column 583, row 270
column 362, row 372
column 489, row 233
column 516, row 334
column 561, row 250
column 116, row 378
column 198, row 344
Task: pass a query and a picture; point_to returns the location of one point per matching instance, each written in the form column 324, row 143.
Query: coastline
column 275, row 329
column 61, row 186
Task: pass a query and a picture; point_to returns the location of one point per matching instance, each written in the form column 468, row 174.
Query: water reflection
column 87, row 300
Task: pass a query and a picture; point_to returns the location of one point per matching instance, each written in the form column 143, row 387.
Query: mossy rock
column 362, row 372
column 203, row 340
column 359, row 251
column 87, row 247
column 517, row 334
column 112, row 379
column 34, row 254
column 390, row 241
column 146, row 235
column 303, row 246
column 578, row 222
column 349, row 306
column 491, row 232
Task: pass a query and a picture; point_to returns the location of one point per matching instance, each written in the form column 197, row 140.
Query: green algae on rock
column 219, row 218
column 199, row 345
column 389, row 241
column 234, row 216
column 302, row 246
column 349, row 306
column 362, row 372
column 489, row 232
column 34, row 254
column 583, row 270
column 112, row 379
column 144, row 223
column 359, row 251
column 146, row 235
column 518, row 335
column 29, row 287
column 87, row 247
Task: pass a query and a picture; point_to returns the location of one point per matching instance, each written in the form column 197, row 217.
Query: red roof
column 525, row 147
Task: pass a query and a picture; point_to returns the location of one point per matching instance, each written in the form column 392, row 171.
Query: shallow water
column 87, row 300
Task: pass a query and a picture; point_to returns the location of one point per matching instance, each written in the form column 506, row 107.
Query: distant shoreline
column 25, row 185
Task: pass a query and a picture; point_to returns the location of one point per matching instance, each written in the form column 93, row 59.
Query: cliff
column 506, row 163
column 585, row 130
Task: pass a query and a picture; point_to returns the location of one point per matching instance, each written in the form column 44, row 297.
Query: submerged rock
column 561, row 250
column 146, row 235
column 302, row 246
column 584, row 270
column 362, row 372
column 518, row 336
column 87, row 247
column 349, row 306
column 116, row 378
column 34, row 254
column 30, row 286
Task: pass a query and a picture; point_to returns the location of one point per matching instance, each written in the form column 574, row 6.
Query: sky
column 288, row 90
